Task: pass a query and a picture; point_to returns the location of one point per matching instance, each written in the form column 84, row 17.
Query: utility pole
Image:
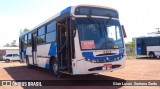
column 156, row 32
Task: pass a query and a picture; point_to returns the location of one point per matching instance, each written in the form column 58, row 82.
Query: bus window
column 40, row 39
column 51, row 36
column 51, row 27
column 29, row 39
column 41, row 31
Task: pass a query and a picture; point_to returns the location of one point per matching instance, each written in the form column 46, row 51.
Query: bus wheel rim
column 55, row 68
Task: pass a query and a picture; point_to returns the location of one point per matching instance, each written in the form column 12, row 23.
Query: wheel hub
column 55, row 68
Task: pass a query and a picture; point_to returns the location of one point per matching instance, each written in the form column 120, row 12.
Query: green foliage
column 12, row 44
column 131, row 44
column 131, row 48
column 23, row 30
column 7, row 45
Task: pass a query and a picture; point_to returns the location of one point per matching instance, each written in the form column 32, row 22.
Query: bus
column 148, row 45
column 82, row 39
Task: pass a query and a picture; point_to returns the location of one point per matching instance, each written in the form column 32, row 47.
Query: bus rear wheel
column 27, row 61
column 54, row 68
column 152, row 55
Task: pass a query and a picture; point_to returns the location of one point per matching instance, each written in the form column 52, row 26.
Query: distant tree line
column 13, row 43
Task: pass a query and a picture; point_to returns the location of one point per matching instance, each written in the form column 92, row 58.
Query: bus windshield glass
column 99, row 33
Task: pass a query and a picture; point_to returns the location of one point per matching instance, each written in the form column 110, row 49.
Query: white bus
column 149, row 46
column 82, row 39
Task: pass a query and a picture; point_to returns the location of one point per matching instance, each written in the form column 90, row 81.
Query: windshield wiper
column 105, row 28
column 89, row 18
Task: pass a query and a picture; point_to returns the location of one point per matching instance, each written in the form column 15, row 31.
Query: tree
column 12, row 44
column 7, row 45
column 131, row 45
column 23, row 30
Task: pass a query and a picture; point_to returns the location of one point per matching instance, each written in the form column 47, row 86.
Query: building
column 7, row 50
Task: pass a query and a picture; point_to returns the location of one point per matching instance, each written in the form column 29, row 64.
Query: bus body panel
column 42, row 55
column 84, row 66
column 44, row 52
column 155, row 49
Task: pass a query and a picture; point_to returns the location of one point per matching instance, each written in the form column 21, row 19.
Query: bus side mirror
column 124, row 32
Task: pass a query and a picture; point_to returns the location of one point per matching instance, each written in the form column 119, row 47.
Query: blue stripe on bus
column 47, row 66
column 20, row 54
column 89, row 55
column 68, row 9
column 53, row 49
column 24, row 53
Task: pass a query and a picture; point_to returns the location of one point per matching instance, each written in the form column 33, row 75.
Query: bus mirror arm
column 74, row 27
column 124, row 32
column 74, row 32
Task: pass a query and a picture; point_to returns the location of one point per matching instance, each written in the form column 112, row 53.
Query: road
column 136, row 69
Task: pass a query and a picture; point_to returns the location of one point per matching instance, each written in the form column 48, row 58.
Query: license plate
column 107, row 65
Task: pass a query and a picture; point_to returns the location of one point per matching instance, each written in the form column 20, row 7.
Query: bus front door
column 63, row 42
column 34, row 48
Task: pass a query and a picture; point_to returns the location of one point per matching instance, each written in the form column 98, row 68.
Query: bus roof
column 66, row 10
column 146, row 36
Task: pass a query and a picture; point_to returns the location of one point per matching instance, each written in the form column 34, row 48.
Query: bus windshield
column 99, row 33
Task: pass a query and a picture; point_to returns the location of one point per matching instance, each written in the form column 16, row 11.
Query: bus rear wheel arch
column 152, row 55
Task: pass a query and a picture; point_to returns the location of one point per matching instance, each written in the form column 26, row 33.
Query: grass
column 130, row 57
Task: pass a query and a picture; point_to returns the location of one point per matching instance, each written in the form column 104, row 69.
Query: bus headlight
column 93, row 61
column 118, row 58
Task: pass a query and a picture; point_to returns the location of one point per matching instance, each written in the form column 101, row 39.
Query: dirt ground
column 136, row 69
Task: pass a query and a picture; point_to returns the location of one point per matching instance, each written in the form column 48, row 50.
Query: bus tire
column 7, row 60
column 54, row 68
column 152, row 55
column 27, row 61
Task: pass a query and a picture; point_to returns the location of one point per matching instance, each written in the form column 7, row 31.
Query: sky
column 138, row 16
